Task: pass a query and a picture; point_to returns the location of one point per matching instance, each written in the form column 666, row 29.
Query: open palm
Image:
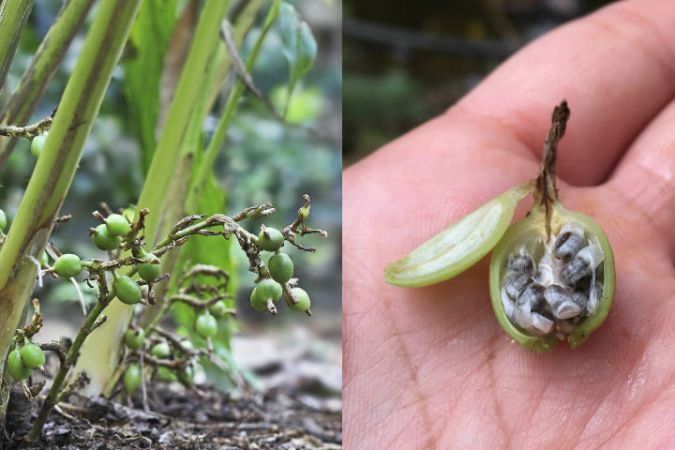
column 430, row 367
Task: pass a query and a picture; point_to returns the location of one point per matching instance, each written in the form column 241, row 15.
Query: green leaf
column 305, row 52
column 459, row 246
column 305, row 106
column 298, row 43
column 209, row 249
column 143, row 70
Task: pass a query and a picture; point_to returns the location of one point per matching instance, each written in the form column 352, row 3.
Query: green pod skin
column 303, row 304
column 32, row 356
column 117, row 225
column 68, row 265
column 161, row 350
column 166, row 374
column 187, row 346
column 37, row 145
column 44, row 260
column 186, row 375
column 102, row 239
column 266, row 289
column 15, row 366
column 522, row 232
column 280, row 267
column 127, row 291
column 134, row 338
column 206, row 325
column 219, row 309
column 459, row 246
column 132, row 378
column 270, row 239
column 149, row 271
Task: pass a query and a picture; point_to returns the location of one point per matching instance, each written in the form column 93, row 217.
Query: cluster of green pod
column 269, row 290
column 108, row 236
column 23, row 359
column 135, row 339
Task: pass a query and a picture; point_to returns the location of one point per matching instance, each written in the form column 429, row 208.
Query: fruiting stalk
column 106, row 341
column 56, row 167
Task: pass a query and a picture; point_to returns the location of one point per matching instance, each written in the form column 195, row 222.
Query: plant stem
column 53, row 396
column 216, row 143
column 166, row 155
column 13, row 16
column 106, row 341
column 42, row 68
column 242, row 24
column 191, row 149
column 58, row 162
column 546, row 183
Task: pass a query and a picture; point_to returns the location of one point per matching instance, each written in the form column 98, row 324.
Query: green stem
column 175, row 209
column 42, row 68
column 13, row 16
column 71, row 357
column 243, row 23
column 216, row 143
column 187, row 91
column 58, row 162
column 106, row 341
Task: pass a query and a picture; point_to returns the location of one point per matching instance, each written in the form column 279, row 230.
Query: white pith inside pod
column 546, row 289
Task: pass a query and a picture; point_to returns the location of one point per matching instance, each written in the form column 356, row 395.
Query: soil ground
column 297, row 406
column 195, row 419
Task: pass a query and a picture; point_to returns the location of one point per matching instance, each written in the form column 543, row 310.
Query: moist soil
column 192, row 419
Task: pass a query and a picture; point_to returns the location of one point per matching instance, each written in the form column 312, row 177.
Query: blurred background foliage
column 262, row 158
column 405, row 62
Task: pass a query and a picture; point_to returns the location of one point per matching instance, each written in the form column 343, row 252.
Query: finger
column 615, row 67
column 424, row 180
column 645, row 177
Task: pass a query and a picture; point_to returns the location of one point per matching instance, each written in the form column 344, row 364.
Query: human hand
column 430, row 367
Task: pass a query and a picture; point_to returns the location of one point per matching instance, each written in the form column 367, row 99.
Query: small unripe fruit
column 134, row 338
column 186, row 346
column 303, row 304
column 186, row 375
column 32, row 356
column 103, row 240
column 266, row 289
column 127, row 290
column 68, row 265
column 161, row 350
column 219, row 309
column 280, row 267
column 3, row 220
column 149, row 270
column 37, row 145
column 206, row 325
column 132, row 378
column 270, row 239
column 15, row 366
column 165, row 374
column 117, row 225
column 44, row 259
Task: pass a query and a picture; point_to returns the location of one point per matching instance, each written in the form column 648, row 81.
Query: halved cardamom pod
column 551, row 275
